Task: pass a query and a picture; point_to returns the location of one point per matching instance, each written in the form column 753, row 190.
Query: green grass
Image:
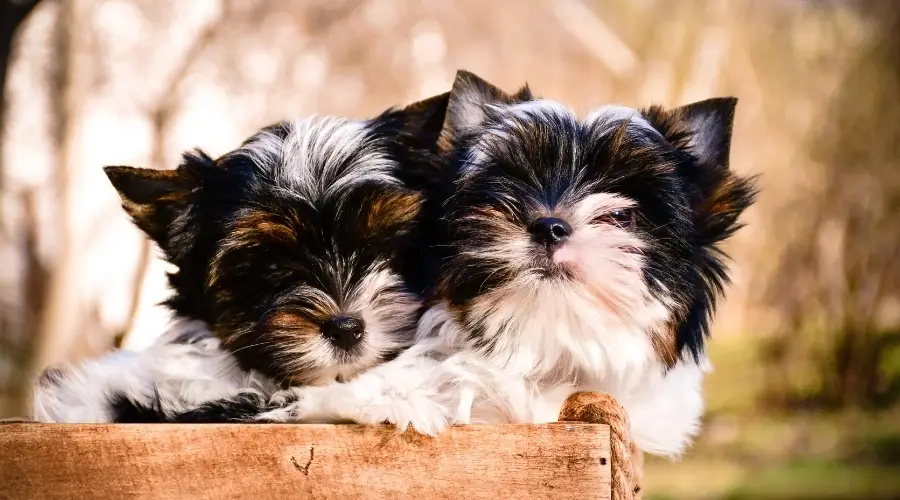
column 803, row 479
column 746, row 452
column 828, row 456
column 738, row 376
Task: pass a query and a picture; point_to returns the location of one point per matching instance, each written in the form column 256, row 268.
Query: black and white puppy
column 299, row 259
column 580, row 254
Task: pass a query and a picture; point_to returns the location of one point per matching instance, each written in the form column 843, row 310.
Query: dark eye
column 623, row 217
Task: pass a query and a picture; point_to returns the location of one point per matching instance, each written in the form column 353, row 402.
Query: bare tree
column 52, row 318
column 842, row 271
column 12, row 14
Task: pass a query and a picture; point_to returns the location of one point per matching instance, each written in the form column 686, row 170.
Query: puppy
column 579, row 255
column 300, row 250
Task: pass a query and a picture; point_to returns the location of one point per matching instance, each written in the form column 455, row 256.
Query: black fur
column 242, row 407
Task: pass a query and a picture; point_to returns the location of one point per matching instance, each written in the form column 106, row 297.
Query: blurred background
column 804, row 400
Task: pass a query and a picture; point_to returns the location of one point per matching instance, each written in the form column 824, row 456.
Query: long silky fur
column 622, row 306
column 307, row 220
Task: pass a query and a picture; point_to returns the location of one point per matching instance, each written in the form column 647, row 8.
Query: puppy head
column 287, row 246
column 587, row 243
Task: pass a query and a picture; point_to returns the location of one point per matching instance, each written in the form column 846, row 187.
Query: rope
column 599, row 408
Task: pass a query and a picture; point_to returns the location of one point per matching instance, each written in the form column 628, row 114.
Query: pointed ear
column 708, row 126
column 717, row 195
column 153, row 198
column 468, row 102
column 425, row 119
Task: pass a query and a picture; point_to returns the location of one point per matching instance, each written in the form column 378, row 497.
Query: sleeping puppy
column 299, row 259
column 580, row 255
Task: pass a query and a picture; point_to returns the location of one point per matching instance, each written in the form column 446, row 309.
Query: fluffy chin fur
column 388, row 312
column 584, row 310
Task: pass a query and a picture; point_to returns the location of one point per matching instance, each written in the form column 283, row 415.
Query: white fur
column 180, row 375
column 509, row 116
column 606, row 119
column 612, row 115
column 313, row 160
column 552, row 339
column 318, row 157
column 183, row 375
column 538, row 109
column 385, row 308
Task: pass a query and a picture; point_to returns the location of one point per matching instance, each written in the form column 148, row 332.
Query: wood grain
column 279, row 462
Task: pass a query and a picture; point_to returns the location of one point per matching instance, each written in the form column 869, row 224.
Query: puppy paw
column 292, row 405
column 425, row 411
column 424, row 414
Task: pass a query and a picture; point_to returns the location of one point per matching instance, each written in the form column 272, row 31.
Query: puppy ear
column 703, row 130
column 154, row 198
column 708, row 124
column 425, row 119
column 468, row 102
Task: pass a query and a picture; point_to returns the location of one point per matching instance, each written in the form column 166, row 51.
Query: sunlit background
column 803, row 402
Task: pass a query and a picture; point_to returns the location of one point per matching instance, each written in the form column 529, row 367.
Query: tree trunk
column 59, row 322
column 12, row 15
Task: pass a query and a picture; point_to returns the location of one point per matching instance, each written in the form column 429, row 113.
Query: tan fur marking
column 291, row 321
column 619, row 138
column 664, row 344
column 721, row 200
column 671, row 124
column 250, row 231
column 391, row 211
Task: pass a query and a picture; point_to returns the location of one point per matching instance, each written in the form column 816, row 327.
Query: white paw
column 430, row 424
column 424, row 411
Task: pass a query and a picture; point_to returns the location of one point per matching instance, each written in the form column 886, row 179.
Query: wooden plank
column 279, row 462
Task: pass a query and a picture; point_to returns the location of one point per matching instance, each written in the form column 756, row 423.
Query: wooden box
column 565, row 460
column 269, row 462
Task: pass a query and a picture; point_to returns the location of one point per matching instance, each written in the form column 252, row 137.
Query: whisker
column 253, row 345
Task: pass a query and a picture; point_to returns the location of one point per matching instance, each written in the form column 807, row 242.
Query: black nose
column 550, row 230
column 343, row 331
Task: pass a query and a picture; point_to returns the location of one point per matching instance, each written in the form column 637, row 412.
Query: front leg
column 416, row 392
column 243, row 407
